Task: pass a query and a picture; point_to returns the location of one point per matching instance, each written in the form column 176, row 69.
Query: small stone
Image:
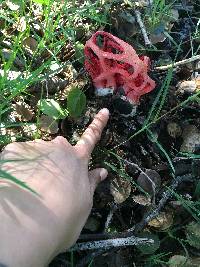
column 188, row 87
column 12, row 75
column 174, row 129
column 191, row 139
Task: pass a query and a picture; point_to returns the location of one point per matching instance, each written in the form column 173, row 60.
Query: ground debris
column 191, row 139
column 120, row 189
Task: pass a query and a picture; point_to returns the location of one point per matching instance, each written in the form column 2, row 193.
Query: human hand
column 34, row 229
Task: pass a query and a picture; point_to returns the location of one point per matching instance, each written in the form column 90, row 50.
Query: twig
column 179, row 63
column 165, row 196
column 111, row 243
column 142, row 27
column 114, row 207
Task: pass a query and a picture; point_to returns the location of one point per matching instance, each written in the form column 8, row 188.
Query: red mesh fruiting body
column 112, row 63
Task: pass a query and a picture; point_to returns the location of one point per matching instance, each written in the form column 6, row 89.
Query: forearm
column 33, row 230
column 25, row 240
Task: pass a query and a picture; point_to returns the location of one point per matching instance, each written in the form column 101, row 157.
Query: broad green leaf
column 76, row 102
column 149, row 248
column 52, row 108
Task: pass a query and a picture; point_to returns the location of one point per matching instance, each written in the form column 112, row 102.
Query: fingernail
column 103, row 174
column 105, row 111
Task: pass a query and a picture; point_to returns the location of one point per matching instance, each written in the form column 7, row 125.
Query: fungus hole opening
column 100, row 41
column 107, row 44
column 92, row 63
column 139, row 80
column 126, row 66
column 119, row 80
column 111, row 63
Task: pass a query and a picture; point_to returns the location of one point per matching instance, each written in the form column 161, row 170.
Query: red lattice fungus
column 114, row 64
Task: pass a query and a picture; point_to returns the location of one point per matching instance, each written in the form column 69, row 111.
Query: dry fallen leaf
column 145, row 180
column 48, row 124
column 163, row 221
column 30, row 43
column 142, row 200
column 24, row 111
column 120, row 189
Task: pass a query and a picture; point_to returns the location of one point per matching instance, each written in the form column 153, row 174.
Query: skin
column 34, row 229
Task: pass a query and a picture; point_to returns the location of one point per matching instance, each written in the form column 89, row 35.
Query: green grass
column 59, row 24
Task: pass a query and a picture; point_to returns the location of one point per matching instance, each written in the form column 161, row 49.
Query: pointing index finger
column 93, row 133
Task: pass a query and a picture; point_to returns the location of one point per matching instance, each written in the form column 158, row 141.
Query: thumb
column 96, row 176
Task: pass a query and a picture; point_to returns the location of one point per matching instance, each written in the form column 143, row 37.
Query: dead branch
column 179, row 63
column 111, row 243
column 114, row 207
column 165, row 197
column 142, row 27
